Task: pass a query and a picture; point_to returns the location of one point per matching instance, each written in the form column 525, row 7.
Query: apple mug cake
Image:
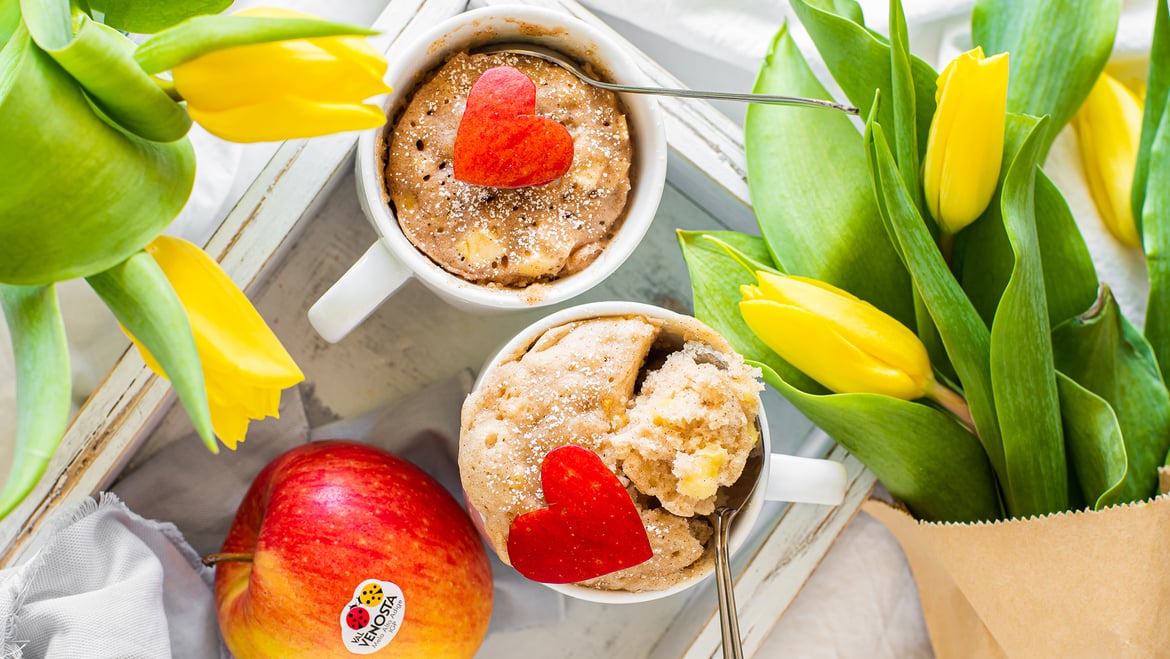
column 668, row 406
column 508, row 237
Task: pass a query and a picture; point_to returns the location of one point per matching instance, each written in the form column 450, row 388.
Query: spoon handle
column 728, row 618
column 764, row 99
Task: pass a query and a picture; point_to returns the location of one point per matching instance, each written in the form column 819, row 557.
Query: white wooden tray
column 295, row 231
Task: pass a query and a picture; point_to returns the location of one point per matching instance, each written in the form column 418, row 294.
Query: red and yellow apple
column 341, row 548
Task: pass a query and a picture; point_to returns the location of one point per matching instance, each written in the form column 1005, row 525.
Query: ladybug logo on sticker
column 372, row 617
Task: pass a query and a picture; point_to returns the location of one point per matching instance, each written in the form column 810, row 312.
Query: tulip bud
column 846, row 344
column 245, row 367
column 965, row 146
column 284, row 89
column 1109, row 127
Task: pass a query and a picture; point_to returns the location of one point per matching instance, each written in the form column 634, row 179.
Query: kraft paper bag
column 1075, row 584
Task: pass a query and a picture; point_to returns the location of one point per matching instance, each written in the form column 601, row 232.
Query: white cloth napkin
column 108, row 583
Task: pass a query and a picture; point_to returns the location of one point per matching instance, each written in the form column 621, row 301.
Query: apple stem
column 227, row 557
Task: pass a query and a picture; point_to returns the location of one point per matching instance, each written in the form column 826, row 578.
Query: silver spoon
column 563, row 61
column 728, row 502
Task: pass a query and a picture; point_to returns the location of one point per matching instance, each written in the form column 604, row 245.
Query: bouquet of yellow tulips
column 920, row 290
column 96, row 163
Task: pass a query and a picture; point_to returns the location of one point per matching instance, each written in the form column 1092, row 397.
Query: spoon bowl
column 560, row 59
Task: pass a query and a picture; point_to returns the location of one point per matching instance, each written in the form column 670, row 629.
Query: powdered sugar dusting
column 509, row 237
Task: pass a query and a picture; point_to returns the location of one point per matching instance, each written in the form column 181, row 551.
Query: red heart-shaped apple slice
column 589, row 528
column 501, row 143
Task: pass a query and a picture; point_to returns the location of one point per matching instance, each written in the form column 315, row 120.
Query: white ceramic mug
column 783, row 477
column 392, row 260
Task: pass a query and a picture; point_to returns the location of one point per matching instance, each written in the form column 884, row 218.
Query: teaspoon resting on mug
column 569, row 65
column 730, row 499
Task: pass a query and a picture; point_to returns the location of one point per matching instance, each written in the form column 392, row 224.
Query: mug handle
column 353, row 297
column 806, row 480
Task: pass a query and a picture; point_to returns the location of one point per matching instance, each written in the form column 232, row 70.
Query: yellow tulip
column 1109, row 127
column 846, row 344
column 245, row 367
column 965, row 146
column 284, row 89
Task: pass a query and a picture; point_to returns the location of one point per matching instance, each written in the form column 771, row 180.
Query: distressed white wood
column 285, row 262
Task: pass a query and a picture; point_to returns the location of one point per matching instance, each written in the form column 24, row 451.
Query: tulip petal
column 249, row 75
column 813, row 345
column 356, row 50
column 1108, row 128
column 287, row 118
column 234, row 404
column 965, row 148
column 861, row 324
column 230, row 424
column 941, row 126
column 245, row 367
column 233, row 337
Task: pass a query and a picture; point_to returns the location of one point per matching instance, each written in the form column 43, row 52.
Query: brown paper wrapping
column 1077, row 584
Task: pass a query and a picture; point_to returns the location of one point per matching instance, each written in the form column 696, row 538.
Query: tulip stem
column 946, row 245
column 953, row 403
column 227, row 557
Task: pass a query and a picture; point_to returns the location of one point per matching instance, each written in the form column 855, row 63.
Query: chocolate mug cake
column 509, row 237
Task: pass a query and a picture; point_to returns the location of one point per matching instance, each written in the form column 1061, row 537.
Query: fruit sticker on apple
column 501, row 143
column 370, row 620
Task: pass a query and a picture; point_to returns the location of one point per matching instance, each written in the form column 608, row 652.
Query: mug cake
column 667, row 405
column 499, row 236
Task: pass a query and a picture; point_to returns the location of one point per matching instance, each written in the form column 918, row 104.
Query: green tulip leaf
column 859, row 60
column 811, row 192
column 42, row 385
column 1156, row 243
column 1106, row 355
column 966, row 338
column 922, row 455
column 984, row 259
column 902, row 101
column 77, row 195
column 719, row 263
column 1023, row 376
column 1056, row 50
column 101, row 60
column 205, row 34
column 1096, row 450
column 9, row 19
column 50, row 22
column 150, row 16
column 1157, row 93
column 142, row 300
